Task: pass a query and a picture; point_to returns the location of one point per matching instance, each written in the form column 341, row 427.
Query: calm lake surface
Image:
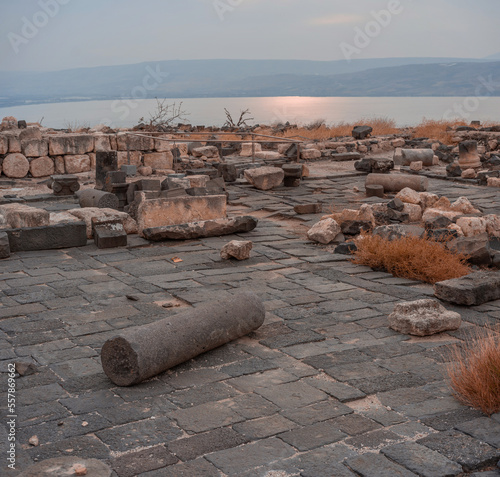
column 302, row 110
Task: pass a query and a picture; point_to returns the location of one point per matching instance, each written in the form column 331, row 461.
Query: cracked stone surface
column 323, row 387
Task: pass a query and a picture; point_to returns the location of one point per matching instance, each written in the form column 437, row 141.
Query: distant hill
column 233, row 78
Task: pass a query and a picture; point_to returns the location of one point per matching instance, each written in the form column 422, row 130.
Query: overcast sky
column 82, row 33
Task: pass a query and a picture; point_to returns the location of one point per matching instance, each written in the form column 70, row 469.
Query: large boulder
column 423, row 318
column 265, row 178
column 16, row 166
column 325, row 231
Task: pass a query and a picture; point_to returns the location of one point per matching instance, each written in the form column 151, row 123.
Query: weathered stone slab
column 35, row 147
column 361, row 132
column 135, row 143
column 20, row 215
column 179, row 210
column 159, row 160
column 206, row 228
column 473, row 289
column 239, row 249
column 71, row 144
column 143, row 352
column 48, row 237
column 304, row 209
column 423, row 318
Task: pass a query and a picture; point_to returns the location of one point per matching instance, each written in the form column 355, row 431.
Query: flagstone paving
column 323, row 388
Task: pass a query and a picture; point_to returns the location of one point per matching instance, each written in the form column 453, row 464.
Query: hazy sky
column 81, row 33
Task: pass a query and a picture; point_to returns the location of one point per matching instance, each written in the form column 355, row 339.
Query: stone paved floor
column 324, row 388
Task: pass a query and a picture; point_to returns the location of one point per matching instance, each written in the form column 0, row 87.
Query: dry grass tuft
column 320, row 131
column 439, row 130
column 410, row 257
column 474, row 374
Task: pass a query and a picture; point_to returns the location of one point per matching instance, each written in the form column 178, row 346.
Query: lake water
column 302, row 110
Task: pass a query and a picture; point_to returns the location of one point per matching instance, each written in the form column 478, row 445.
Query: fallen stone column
column 201, row 229
column 98, row 198
column 397, row 182
column 143, row 352
column 426, row 156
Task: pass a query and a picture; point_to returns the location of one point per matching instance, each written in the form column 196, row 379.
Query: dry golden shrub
column 474, row 373
column 410, row 257
column 381, row 126
column 440, row 130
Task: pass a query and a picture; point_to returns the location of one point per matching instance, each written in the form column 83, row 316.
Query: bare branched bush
column 165, row 114
column 410, row 257
column 474, row 373
column 242, row 120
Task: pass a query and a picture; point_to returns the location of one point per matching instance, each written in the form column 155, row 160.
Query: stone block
column 102, row 143
column 159, row 160
column 239, row 249
column 64, row 184
column 206, row 151
column 305, row 209
column 105, row 162
column 325, row 231
column 16, row 166
column 265, row 178
column 206, row 228
column 35, row 147
column 42, row 167
column 129, row 169
column 423, row 318
column 355, row 156
column 123, row 158
column 246, row 149
column 129, row 224
column 198, row 180
column 181, row 210
column 148, row 185
column 48, row 237
column 473, row 289
column 77, row 164
column 477, row 248
column 20, row 215
column 361, row 132
column 70, row 144
column 14, row 145
column 161, row 145
column 468, row 155
column 4, row 245
column 136, row 143
column 109, row 233
column 310, row 154
column 374, row 191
